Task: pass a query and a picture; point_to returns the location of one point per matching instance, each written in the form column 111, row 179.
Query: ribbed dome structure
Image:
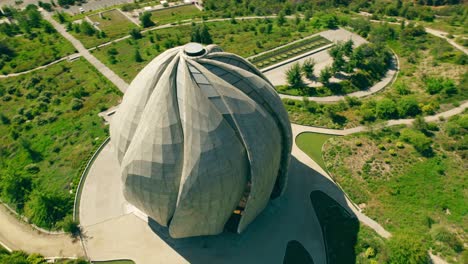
column 199, row 134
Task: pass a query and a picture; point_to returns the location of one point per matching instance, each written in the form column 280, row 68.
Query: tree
column 87, row 28
column 348, row 47
column 294, row 77
column 280, row 20
column 138, row 57
column 408, row 106
column 135, row 33
column 325, row 76
column 16, row 188
column 407, row 250
column 201, row 34
column 145, row 20
column 308, row 68
column 386, row 109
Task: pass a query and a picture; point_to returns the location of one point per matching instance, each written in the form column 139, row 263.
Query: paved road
column 103, row 69
column 18, row 235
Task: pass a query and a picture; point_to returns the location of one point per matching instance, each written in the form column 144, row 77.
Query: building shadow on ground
column 310, row 223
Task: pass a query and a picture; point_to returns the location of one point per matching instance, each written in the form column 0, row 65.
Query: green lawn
column 405, row 191
column 311, row 144
column 242, row 38
column 113, row 23
column 48, row 127
column 175, row 14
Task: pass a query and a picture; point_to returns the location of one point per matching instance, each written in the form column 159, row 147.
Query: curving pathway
column 17, row 235
column 348, row 131
column 75, row 55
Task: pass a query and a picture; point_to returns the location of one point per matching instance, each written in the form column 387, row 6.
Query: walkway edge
column 79, row 189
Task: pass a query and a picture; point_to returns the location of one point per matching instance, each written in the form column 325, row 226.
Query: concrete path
column 103, row 69
column 443, row 35
column 348, row 131
column 76, row 55
column 17, row 235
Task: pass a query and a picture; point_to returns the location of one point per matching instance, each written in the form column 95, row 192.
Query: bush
column 420, row 142
column 443, row 235
column 386, row 109
column 76, row 104
column 47, row 209
column 70, row 226
column 408, row 106
column 407, row 250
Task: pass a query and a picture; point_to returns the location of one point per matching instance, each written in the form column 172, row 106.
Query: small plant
column 358, row 143
column 392, row 152
column 381, row 147
column 400, row 145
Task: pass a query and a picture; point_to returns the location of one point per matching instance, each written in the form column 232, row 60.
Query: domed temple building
column 203, row 141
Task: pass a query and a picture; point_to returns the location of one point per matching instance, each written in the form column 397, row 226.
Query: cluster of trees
column 365, row 64
column 85, row 28
column 25, row 21
column 145, row 20
column 66, row 3
column 201, row 34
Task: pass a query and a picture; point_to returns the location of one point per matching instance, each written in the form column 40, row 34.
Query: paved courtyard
column 277, row 76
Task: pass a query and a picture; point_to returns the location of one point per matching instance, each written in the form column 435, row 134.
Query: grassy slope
column 61, row 144
column 176, row 14
column 34, row 52
column 405, row 192
column 240, row 38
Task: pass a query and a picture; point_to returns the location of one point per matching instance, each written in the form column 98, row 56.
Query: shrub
column 421, row 143
column 408, row 106
column 443, row 235
column 407, row 250
column 70, row 226
column 47, row 209
column 386, row 109
column 76, row 104
column 32, row 168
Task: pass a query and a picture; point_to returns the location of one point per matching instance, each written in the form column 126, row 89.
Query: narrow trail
column 75, row 55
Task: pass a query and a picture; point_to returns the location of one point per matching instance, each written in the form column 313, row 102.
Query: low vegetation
column 20, row 257
column 28, row 41
column 409, row 179
column 48, row 126
column 176, row 14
